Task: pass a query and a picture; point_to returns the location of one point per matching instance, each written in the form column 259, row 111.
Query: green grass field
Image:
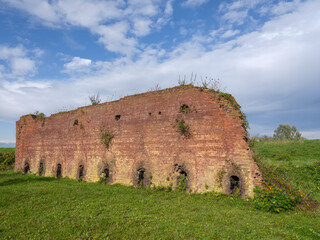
column 2, row 150
column 33, row 207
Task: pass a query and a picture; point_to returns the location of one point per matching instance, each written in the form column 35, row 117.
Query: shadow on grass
column 25, row 180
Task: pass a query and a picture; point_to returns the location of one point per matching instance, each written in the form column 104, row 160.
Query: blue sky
column 55, row 53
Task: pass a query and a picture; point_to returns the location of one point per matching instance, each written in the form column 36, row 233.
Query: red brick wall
column 146, row 135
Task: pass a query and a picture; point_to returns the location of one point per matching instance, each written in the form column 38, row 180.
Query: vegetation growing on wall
column 237, row 107
column 214, row 85
column 184, row 108
column 106, row 138
column 182, row 128
column 181, row 186
column 95, row 99
column 103, row 180
column 221, row 173
column 38, row 115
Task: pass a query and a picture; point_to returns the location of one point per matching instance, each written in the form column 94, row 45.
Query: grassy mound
column 294, row 163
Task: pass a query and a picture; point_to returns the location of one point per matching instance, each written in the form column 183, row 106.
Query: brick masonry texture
column 146, row 136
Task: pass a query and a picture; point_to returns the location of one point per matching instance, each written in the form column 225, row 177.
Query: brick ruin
column 186, row 138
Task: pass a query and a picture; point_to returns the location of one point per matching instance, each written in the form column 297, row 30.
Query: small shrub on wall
column 106, row 138
column 39, row 115
column 183, row 128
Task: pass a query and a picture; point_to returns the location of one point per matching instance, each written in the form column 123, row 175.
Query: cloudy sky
column 56, row 53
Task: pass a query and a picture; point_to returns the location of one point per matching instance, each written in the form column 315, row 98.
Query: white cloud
column 22, row 66
column 235, row 16
column 311, row 134
column 241, row 4
column 8, row 52
column 142, row 8
column 77, row 65
column 165, row 17
column 84, row 13
column 169, row 9
column 183, row 31
column 230, row 33
column 41, row 9
column 193, row 3
column 7, row 141
column 88, row 13
column 285, row 7
column 102, row 17
column 17, row 61
column 115, row 39
column 22, row 86
column 238, row 12
column 141, row 26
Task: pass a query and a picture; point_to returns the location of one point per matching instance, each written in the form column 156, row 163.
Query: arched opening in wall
column 41, row 168
column 235, row 185
column 80, row 172
column 26, row 168
column 181, row 178
column 59, row 171
column 106, row 173
column 141, row 173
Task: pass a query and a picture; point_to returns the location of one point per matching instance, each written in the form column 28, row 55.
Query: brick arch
column 141, row 175
column 233, row 180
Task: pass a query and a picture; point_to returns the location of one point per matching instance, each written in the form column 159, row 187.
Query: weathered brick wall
column 146, row 135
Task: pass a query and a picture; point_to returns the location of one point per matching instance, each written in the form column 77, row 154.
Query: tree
column 285, row 132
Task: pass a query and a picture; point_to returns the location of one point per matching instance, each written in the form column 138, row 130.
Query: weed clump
column 218, row 195
column 277, row 195
column 104, row 180
column 220, row 176
column 167, row 188
column 7, row 160
column 106, row 138
column 183, row 128
column 284, row 156
column 181, row 186
column 95, row 99
column 275, row 199
column 185, row 108
column 38, row 115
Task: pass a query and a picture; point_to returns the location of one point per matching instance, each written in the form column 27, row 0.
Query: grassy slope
column 34, row 207
column 302, row 169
